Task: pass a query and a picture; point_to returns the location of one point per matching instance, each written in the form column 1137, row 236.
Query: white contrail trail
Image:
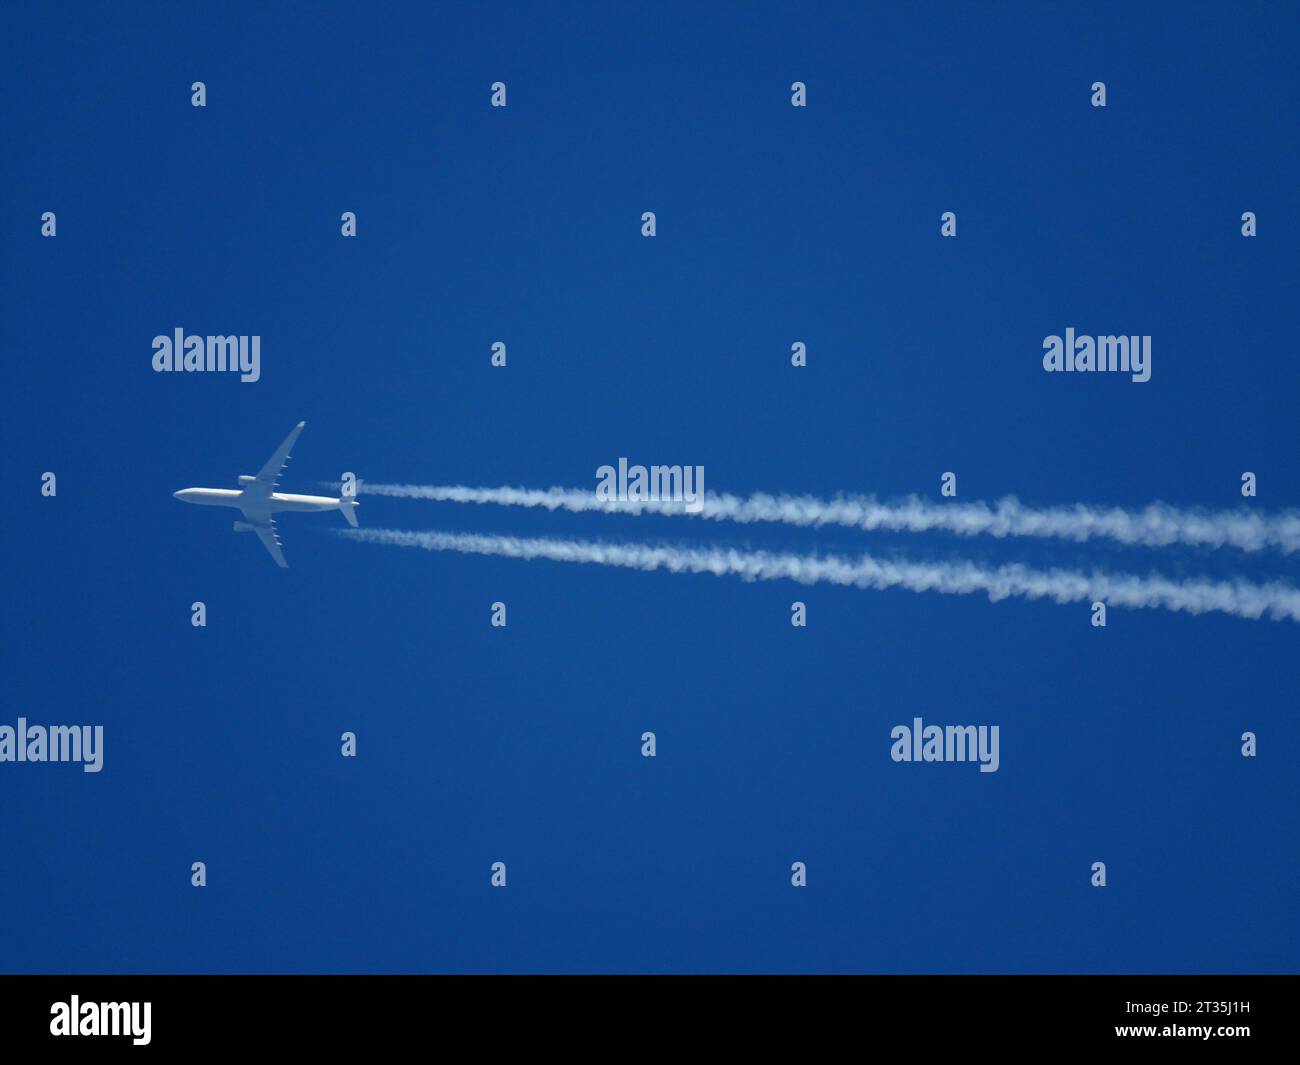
column 1156, row 525
column 1237, row 597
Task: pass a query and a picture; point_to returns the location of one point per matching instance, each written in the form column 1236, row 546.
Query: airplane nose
column 179, row 495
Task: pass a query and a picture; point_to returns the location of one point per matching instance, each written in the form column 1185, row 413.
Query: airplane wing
column 266, row 532
column 269, row 475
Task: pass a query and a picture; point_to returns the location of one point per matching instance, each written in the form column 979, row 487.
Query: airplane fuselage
column 272, row 504
column 257, row 498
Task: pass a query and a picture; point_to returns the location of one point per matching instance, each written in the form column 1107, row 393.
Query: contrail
column 1238, row 598
column 1156, row 525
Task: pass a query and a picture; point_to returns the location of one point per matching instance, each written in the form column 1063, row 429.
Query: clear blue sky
column 523, row 225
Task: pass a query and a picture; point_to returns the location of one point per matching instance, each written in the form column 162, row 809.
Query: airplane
column 259, row 500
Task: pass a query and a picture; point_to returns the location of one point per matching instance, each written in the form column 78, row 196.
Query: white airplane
column 259, row 500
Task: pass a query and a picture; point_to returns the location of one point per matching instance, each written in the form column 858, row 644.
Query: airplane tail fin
column 349, row 508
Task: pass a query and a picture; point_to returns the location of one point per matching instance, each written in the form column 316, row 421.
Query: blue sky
column 522, row 224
